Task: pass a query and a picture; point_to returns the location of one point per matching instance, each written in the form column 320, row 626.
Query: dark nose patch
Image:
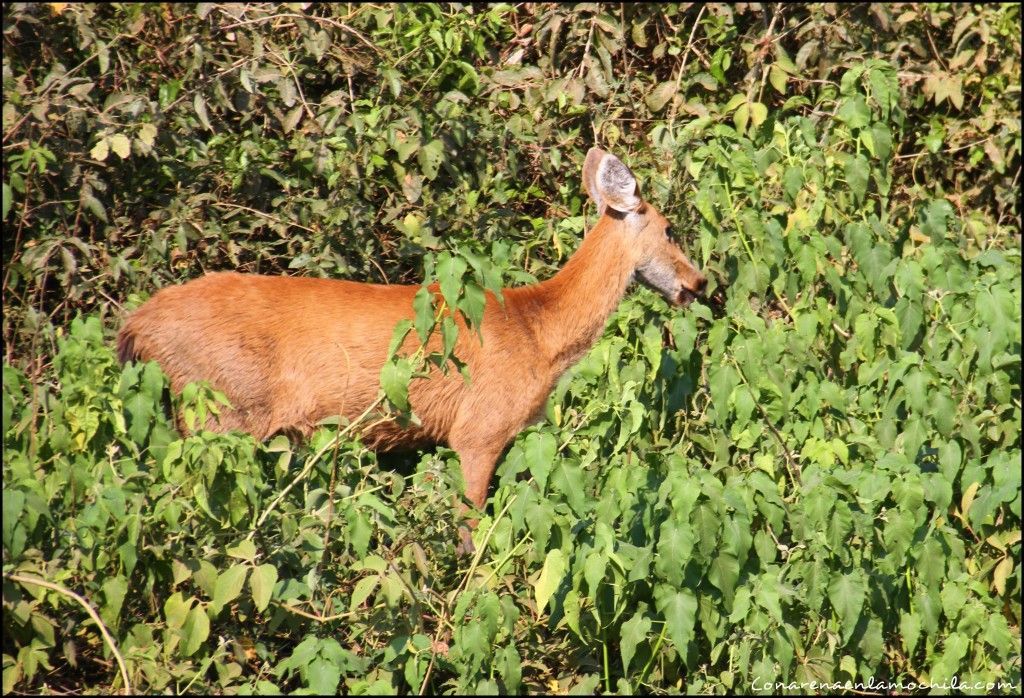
column 701, row 284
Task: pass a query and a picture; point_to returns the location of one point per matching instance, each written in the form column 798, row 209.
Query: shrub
column 811, row 476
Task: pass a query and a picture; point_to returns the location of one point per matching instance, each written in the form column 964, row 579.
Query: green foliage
column 811, row 476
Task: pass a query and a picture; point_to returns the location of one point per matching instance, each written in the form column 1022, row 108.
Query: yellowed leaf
column 1000, row 575
column 777, row 77
column 100, row 150
column 740, row 117
column 917, row 236
column 968, row 499
column 758, row 113
column 412, row 224
column 996, row 542
column 120, row 144
column 147, row 133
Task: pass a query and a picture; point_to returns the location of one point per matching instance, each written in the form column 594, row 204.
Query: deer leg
column 477, row 468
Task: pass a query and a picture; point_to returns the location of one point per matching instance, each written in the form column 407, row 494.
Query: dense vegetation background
column 813, row 476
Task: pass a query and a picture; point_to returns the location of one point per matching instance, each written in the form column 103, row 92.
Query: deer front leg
column 477, row 468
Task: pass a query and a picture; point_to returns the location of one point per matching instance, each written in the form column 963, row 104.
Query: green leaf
column 176, row 609
column 450, row 270
column 777, row 77
column 948, row 665
column 472, row 303
column 8, row 201
column 723, row 573
column 633, row 632
column 362, row 590
column 140, row 408
column 398, row 336
column 261, row 583
column 245, row 550
column 769, row 596
column 114, row 591
column 199, row 104
column 744, row 404
column 322, row 676
column 228, row 586
column 783, row 61
column 394, row 81
column 735, row 101
column 658, row 97
column 394, row 379
column 292, row 118
column 882, row 139
column 792, row 182
column 846, row 594
column 550, row 578
column 594, row 570
column 195, row 631
column 430, row 157
column 736, row 536
column 675, row 546
column 854, row 112
column 723, row 378
column 539, row 455
column 915, row 384
column 168, row 91
column 406, row 146
column 449, row 335
column 510, row 668
column 935, row 219
column 679, row 607
column 910, row 631
column 423, row 305
column 706, row 524
column 857, row 171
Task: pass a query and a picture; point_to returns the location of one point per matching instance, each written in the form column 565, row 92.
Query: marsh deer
column 289, row 352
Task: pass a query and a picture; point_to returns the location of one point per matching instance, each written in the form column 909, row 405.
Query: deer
column 289, row 352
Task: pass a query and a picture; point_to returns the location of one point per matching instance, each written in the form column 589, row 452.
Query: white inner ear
column 616, row 185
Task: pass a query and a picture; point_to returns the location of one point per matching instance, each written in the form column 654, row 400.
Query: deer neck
column 569, row 311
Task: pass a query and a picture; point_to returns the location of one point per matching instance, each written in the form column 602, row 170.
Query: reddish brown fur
column 289, row 352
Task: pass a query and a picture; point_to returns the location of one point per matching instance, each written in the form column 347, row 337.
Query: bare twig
column 127, row 690
column 298, row 86
column 225, row 204
column 682, row 65
column 462, row 584
column 313, row 616
column 586, row 48
column 790, row 464
column 11, row 131
column 768, row 39
column 326, row 20
column 946, row 150
column 311, row 462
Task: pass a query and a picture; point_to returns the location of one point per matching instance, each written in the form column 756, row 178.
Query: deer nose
column 700, row 285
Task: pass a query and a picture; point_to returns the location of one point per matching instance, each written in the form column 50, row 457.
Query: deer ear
column 609, row 182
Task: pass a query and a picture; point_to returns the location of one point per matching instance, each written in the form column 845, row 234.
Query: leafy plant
column 812, row 475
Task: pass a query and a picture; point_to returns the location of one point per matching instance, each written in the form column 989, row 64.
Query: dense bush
column 812, row 476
